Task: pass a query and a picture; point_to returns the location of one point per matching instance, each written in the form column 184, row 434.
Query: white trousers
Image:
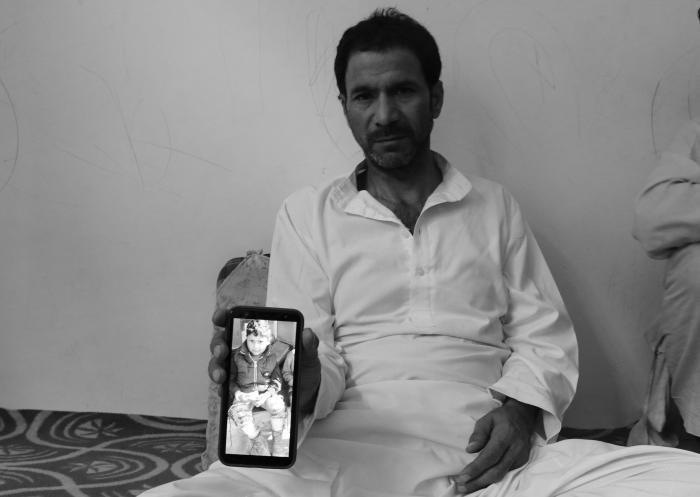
column 680, row 323
column 571, row 468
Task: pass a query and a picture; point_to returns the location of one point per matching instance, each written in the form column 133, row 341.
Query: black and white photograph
column 484, row 216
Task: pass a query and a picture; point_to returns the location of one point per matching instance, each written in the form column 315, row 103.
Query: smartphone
column 259, row 406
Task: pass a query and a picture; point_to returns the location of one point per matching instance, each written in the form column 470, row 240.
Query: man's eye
column 404, row 92
column 362, row 97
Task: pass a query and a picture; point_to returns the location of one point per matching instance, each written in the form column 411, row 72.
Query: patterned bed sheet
column 79, row 454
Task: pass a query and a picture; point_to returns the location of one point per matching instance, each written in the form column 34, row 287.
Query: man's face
column 257, row 344
column 389, row 107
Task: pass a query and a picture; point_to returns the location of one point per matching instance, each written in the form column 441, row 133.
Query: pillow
column 242, row 281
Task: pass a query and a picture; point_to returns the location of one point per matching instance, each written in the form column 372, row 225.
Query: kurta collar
column 453, row 188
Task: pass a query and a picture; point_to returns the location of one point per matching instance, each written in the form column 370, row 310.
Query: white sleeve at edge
column 667, row 211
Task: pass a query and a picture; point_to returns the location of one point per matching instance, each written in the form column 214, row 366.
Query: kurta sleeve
column 542, row 369
column 667, row 211
column 297, row 280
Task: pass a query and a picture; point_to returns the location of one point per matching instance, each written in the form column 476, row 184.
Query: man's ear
column 343, row 103
column 437, row 95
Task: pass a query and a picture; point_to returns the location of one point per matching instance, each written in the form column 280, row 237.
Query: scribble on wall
column 9, row 139
column 524, row 77
column 676, row 98
column 320, row 53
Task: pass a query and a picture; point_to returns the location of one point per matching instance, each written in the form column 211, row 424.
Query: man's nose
column 386, row 111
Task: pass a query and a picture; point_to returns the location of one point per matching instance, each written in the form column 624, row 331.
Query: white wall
column 142, row 144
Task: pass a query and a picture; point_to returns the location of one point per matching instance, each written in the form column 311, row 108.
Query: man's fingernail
column 471, row 446
column 460, row 479
column 218, row 375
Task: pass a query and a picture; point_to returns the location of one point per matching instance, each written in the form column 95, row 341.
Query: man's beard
column 393, row 159
column 396, row 157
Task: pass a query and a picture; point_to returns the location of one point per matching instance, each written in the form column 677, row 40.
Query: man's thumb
column 480, row 436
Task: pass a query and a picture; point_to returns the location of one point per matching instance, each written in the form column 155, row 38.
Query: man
column 441, row 358
column 667, row 224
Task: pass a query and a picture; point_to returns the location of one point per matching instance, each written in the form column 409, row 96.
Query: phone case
column 258, row 424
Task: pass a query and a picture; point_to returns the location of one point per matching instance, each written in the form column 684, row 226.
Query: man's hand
column 219, row 349
column 504, row 438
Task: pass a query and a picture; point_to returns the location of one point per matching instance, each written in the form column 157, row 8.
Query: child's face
column 257, row 344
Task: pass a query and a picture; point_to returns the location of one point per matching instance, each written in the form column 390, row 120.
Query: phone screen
column 258, row 404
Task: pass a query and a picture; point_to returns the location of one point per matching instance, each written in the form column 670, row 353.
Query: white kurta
column 667, row 224
column 467, row 298
column 421, row 334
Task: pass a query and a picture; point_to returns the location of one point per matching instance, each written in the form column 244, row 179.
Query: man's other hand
column 503, row 438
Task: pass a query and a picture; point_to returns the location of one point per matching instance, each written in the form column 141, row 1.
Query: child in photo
column 255, row 382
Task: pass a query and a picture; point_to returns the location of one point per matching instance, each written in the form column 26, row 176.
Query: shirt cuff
column 550, row 424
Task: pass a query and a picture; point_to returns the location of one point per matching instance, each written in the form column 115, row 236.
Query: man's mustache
column 393, row 132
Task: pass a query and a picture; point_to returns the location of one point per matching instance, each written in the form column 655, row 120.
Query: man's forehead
column 368, row 67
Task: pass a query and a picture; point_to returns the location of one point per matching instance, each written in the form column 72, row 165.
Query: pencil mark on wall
column 522, row 69
column 141, row 122
column 321, row 113
column 510, row 45
column 150, row 124
column 321, row 80
column 316, row 61
column 675, row 98
column 107, row 155
column 172, row 149
column 14, row 122
column 170, row 145
column 226, row 63
column 129, row 139
column 539, row 69
column 538, row 62
column 651, row 117
column 84, row 160
column 9, row 26
column 125, row 127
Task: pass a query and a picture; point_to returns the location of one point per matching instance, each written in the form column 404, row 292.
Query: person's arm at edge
column 667, row 210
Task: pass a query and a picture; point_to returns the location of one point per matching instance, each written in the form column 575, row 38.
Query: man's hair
column 385, row 29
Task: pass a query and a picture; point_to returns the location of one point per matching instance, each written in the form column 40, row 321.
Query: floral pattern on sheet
column 57, row 454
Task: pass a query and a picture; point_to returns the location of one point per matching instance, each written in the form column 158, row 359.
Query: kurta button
column 420, row 271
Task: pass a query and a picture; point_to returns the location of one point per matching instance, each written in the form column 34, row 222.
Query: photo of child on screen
column 256, row 382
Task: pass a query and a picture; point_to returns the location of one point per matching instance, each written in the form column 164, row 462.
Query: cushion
column 242, row 281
